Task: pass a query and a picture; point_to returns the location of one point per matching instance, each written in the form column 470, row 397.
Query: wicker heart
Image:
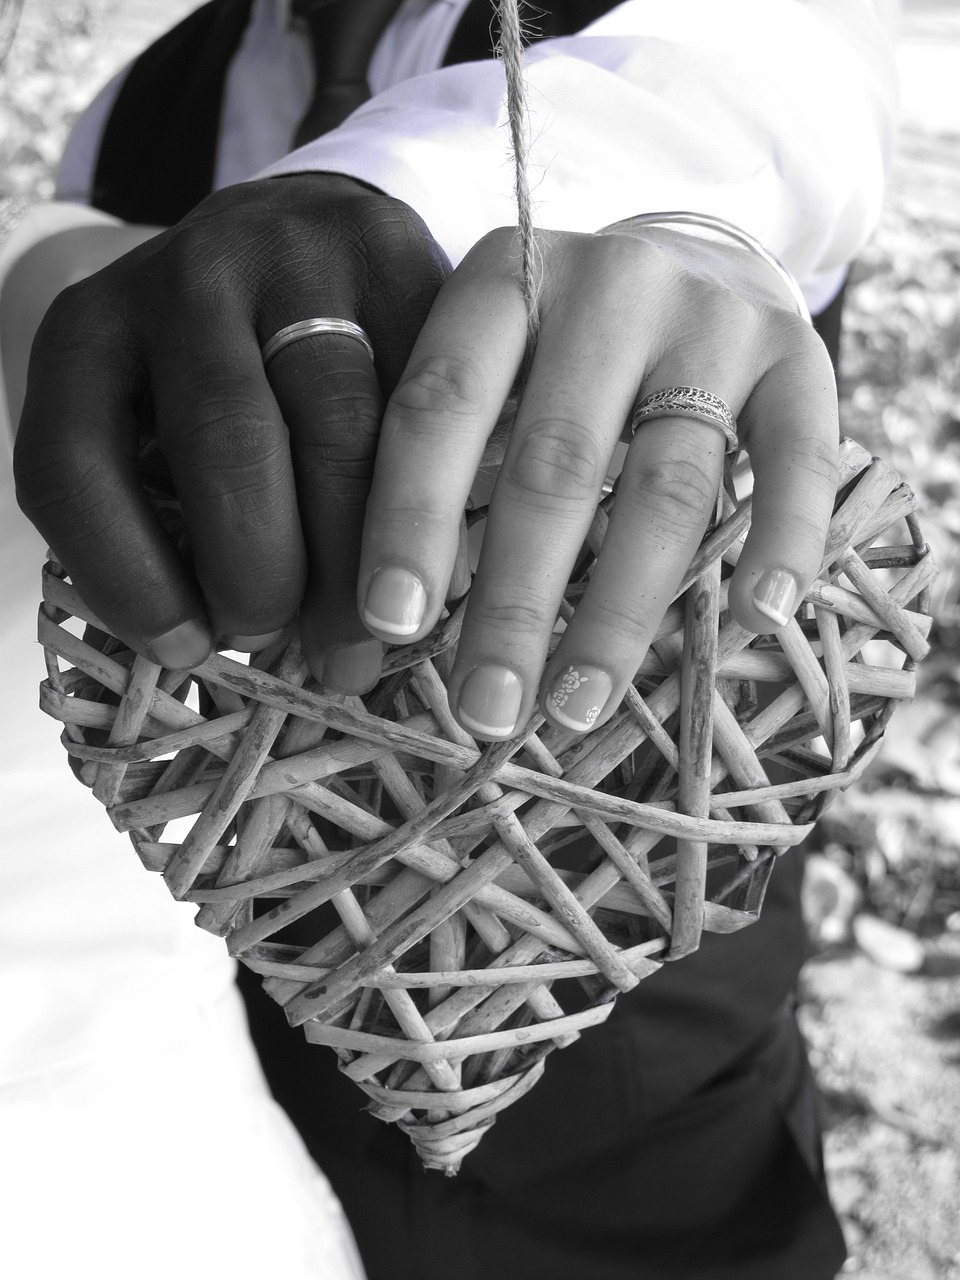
column 468, row 881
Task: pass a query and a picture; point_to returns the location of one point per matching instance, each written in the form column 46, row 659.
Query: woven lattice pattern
column 442, row 915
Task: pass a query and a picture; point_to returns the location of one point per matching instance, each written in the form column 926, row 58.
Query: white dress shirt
column 774, row 114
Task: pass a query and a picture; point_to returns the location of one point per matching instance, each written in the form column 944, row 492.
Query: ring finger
column 666, row 495
column 327, row 390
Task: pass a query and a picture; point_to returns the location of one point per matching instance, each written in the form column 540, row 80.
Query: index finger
column 432, row 439
column 78, row 481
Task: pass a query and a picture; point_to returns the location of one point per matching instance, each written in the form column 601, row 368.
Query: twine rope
column 510, row 53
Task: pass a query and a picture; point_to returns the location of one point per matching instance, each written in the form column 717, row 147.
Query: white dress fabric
column 137, row 1134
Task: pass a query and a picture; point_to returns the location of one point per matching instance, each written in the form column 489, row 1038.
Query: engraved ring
column 688, row 402
column 306, row 328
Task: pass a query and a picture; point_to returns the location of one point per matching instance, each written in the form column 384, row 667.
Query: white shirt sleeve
column 78, row 163
column 775, row 114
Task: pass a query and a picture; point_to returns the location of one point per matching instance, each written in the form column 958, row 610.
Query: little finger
column 790, row 428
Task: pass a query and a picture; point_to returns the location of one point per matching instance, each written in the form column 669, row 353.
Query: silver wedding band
column 308, row 328
column 688, row 402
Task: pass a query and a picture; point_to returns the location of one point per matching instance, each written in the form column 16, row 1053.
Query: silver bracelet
column 724, row 228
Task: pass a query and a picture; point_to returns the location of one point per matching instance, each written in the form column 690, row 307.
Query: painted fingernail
column 184, row 647
column 577, row 696
column 396, row 602
column 353, row 668
column 251, row 644
column 775, row 596
column 490, row 700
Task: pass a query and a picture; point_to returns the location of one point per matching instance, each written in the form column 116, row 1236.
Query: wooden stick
column 695, row 754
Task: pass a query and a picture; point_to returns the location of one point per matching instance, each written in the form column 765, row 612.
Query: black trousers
column 726, row 1184
column 678, row 1140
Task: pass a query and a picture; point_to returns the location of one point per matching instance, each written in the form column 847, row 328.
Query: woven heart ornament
column 467, row 880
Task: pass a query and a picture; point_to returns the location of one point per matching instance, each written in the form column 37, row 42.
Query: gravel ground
column 885, row 1045
column 885, row 1048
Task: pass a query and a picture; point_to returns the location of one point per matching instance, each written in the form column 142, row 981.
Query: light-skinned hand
column 622, row 315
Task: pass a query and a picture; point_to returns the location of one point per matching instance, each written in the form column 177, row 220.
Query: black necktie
column 343, row 35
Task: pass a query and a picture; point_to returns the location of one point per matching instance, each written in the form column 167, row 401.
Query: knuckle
column 255, row 492
column 196, row 268
column 237, row 448
column 604, row 264
column 806, row 518
column 56, row 483
column 84, row 323
column 66, row 455
column 724, row 320
column 519, row 617
column 265, row 597
column 628, row 616
column 724, row 305
column 212, row 271
column 499, row 238
column 496, row 246
column 65, row 313
column 378, row 222
column 784, row 335
column 417, row 525
column 440, row 385
column 824, row 462
column 556, row 462
column 810, row 532
column 633, row 254
column 632, row 249
column 815, row 454
column 342, row 454
column 680, row 490
column 256, row 458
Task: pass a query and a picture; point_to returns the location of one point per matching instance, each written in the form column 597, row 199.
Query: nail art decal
column 578, row 696
column 570, row 681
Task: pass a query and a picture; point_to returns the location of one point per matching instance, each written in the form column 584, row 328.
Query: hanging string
column 510, row 53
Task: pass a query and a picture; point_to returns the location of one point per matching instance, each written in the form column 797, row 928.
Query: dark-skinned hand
column 151, row 368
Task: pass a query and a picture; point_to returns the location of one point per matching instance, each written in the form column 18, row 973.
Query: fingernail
column 184, row 647
column 396, row 602
column 775, row 596
column 490, row 700
column 354, row 668
column 577, row 696
column 251, row 644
